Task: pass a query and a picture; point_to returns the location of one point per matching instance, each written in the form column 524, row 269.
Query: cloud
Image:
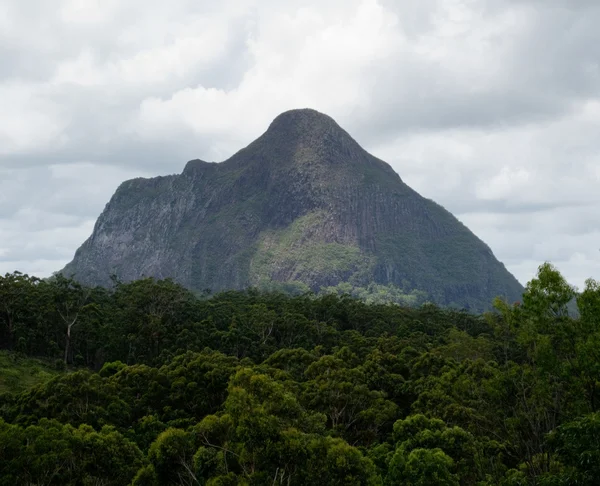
column 489, row 107
column 47, row 212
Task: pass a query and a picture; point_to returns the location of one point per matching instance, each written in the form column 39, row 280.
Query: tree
column 450, row 452
column 578, row 446
column 16, row 292
column 54, row 454
column 548, row 295
column 341, row 392
column 70, row 299
column 422, row 467
column 172, row 458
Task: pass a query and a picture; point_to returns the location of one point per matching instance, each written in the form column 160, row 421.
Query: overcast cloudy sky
column 489, row 107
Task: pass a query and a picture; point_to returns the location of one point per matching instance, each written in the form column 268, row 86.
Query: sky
column 489, row 107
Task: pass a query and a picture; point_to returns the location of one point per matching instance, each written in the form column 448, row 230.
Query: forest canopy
column 146, row 383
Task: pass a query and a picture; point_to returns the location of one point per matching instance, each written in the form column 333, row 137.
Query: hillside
column 19, row 373
column 303, row 206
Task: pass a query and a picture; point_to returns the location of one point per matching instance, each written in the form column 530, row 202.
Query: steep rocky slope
column 304, row 203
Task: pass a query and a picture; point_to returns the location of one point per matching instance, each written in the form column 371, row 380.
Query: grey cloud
column 95, row 116
column 509, row 89
column 538, row 70
column 47, row 212
column 509, row 208
column 433, row 112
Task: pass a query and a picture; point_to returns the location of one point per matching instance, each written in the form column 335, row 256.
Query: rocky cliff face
column 304, row 203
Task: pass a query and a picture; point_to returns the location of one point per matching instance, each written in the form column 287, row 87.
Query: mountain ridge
column 304, row 203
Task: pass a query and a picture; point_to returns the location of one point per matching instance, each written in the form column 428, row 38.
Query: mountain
column 303, row 205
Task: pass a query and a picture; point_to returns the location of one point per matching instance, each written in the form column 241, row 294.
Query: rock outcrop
column 303, row 204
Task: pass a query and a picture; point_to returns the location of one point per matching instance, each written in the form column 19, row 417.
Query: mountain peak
column 305, row 135
column 306, row 123
column 301, row 117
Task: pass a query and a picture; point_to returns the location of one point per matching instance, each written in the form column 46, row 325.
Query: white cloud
column 490, row 107
column 504, row 184
column 85, row 12
column 309, row 58
column 28, row 122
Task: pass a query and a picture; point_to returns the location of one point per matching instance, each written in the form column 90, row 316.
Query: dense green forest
column 146, row 383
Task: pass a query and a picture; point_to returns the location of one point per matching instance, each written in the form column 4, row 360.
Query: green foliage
column 548, row 295
column 19, row 373
column 58, row 454
column 171, row 456
column 577, row 444
column 263, row 388
column 429, row 450
column 313, row 261
column 422, row 467
column 379, row 294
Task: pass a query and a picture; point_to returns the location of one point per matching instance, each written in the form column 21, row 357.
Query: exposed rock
column 302, row 203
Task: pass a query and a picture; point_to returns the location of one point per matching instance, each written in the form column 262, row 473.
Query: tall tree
column 70, row 302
